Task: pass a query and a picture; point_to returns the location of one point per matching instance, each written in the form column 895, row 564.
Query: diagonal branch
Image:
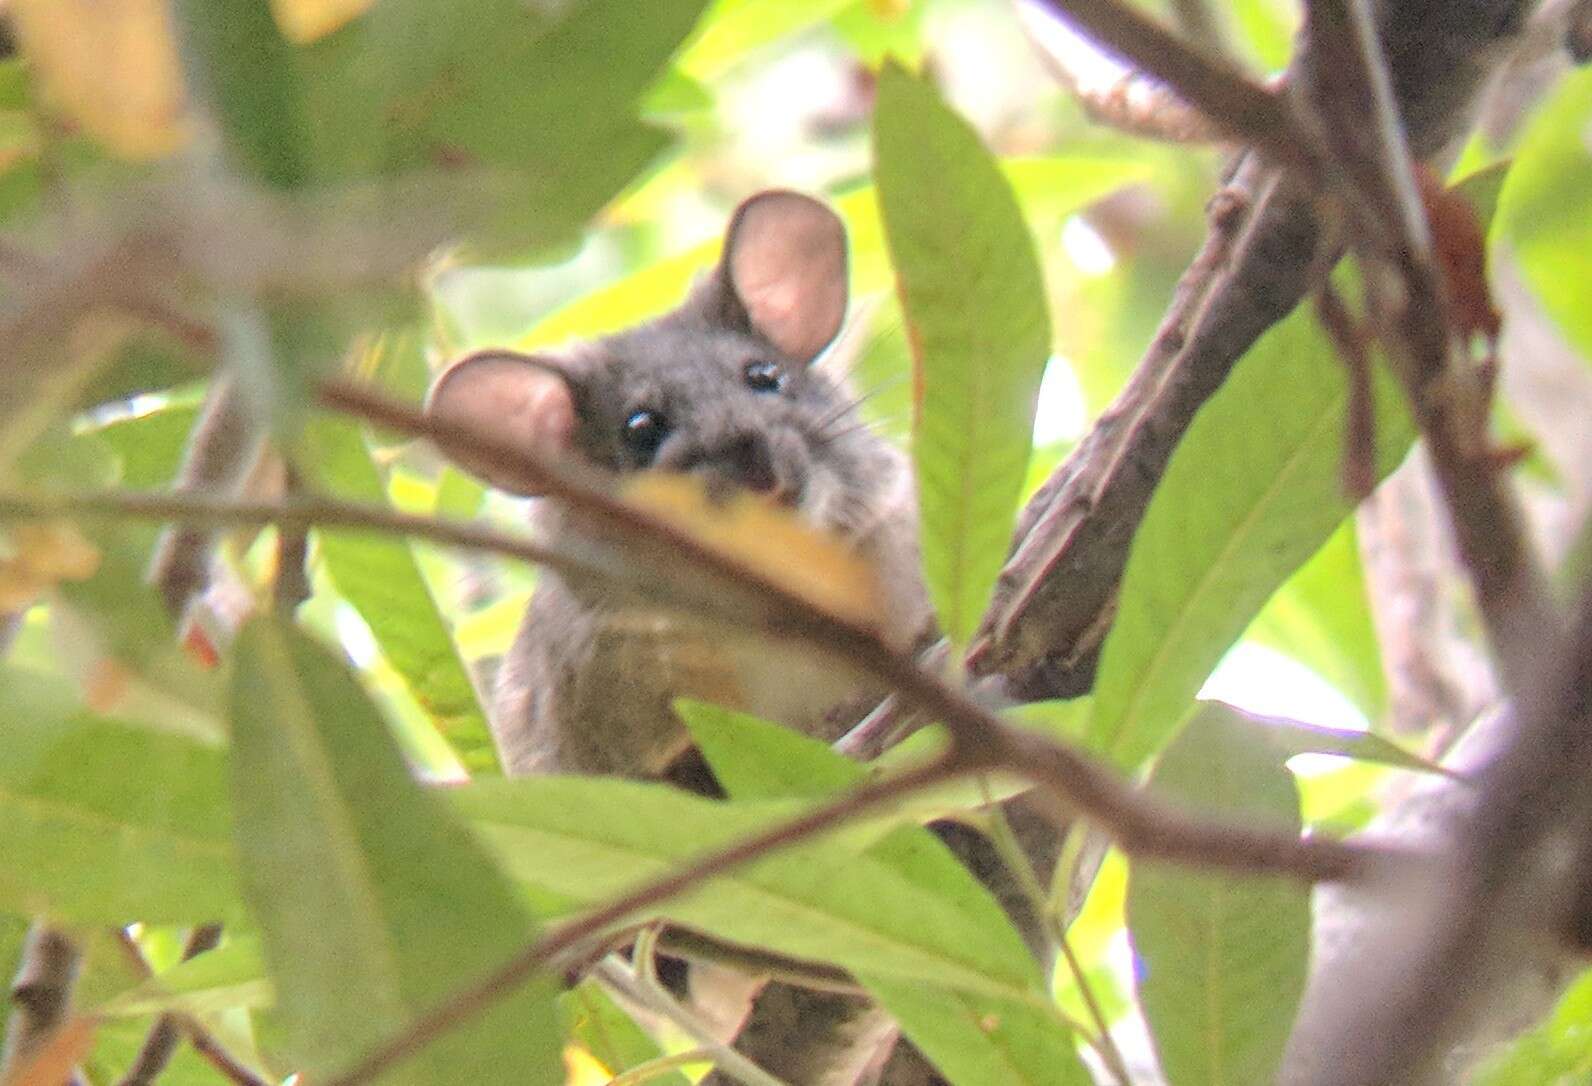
column 1236, row 106
column 1467, row 938
column 1269, row 245
column 1450, row 397
column 1070, row 781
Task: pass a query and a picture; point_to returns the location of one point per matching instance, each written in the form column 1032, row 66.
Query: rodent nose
column 751, row 463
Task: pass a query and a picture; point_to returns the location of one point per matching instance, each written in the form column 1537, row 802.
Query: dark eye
column 643, row 432
column 764, row 376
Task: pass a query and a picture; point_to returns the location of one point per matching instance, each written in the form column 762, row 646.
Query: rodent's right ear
column 522, row 400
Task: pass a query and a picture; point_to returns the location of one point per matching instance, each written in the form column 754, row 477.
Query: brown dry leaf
column 66, row 1048
column 1461, row 246
column 110, row 65
column 305, row 21
column 769, row 540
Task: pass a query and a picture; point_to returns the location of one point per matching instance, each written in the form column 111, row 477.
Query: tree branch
column 1449, row 396
column 1448, row 949
column 1071, row 781
column 1241, row 109
column 1267, row 248
column 41, row 996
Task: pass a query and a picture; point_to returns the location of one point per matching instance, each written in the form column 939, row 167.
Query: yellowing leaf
column 769, row 540
column 111, row 65
column 42, row 554
column 56, row 549
column 584, row 1069
column 306, row 21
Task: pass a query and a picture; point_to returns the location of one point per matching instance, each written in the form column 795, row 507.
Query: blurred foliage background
column 259, row 183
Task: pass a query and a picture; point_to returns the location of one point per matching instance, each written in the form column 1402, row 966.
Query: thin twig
column 657, row 1000
column 646, row 1072
column 161, row 1042
column 1455, row 942
column 1077, row 783
column 1246, row 111
column 1017, row 862
column 1449, row 398
column 304, row 511
column 1105, row 1045
column 980, row 739
column 1359, row 438
column 468, row 1002
column 169, row 1028
column 1109, row 90
column 40, row 994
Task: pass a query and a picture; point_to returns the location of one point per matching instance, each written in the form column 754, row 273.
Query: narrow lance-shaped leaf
column 533, row 107
column 1050, row 187
column 107, row 822
column 373, row 900
column 1222, row 959
column 589, row 839
column 1545, row 209
column 973, row 300
column 380, row 577
column 1251, row 492
column 1288, row 737
column 1322, row 618
column 594, row 1021
column 976, row 1039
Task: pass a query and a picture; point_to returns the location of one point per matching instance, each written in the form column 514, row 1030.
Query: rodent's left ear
column 785, row 262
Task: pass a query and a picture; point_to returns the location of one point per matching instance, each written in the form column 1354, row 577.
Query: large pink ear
column 785, row 259
column 519, row 399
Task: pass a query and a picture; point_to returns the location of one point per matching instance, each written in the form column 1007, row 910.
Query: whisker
column 857, row 401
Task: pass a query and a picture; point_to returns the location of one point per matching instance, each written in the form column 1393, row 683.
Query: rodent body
column 723, row 388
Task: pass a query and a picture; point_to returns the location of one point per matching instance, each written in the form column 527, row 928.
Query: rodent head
column 724, row 387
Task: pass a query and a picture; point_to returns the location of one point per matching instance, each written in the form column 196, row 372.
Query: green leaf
column 378, row 574
column 232, row 975
column 733, row 29
column 1545, row 210
column 972, row 1037
column 1251, row 492
column 757, row 759
column 592, row 838
column 1223, row 958
column 1322, row 617
column 373, row 901
column 150, row 445
column 973, row 300
column 106, row 822
column 980, row 1041
column 1289, row 737
column 1482, row 189
column 250, row 78
column 596, row 1023
column 533, row 118
column 1051, row 188
column 1064, row 720
column 1556, row 1053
